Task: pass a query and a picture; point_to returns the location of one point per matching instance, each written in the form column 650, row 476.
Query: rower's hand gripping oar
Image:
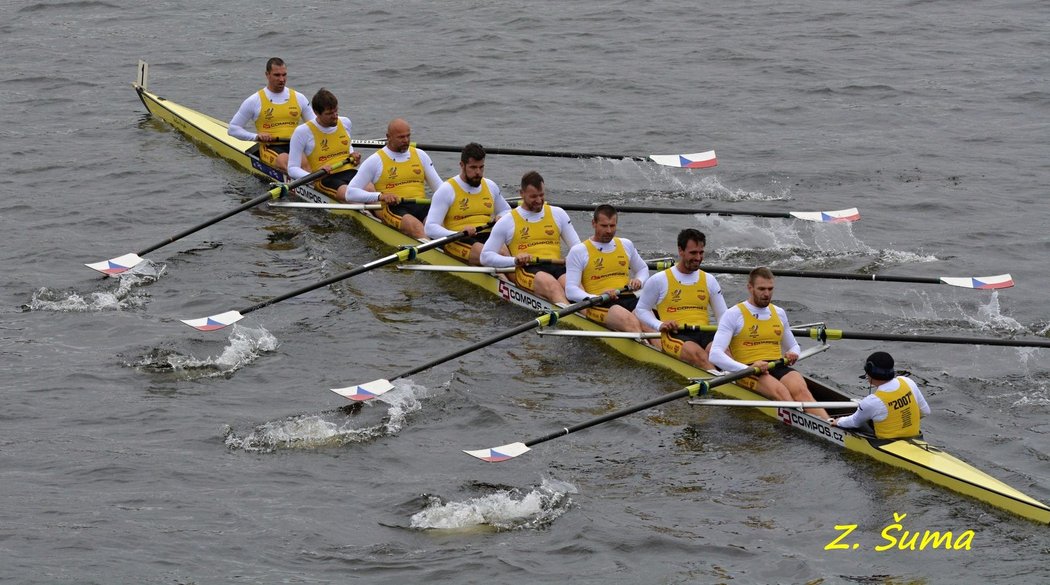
column 115, row 266
column 228, row 318
column 512, row 450
column 696, row 160
column 370, row 390
column 838, row 216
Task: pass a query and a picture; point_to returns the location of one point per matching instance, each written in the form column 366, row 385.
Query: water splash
column 505, row 509
column 245, row 346
column 121, row 298
column 366, row 422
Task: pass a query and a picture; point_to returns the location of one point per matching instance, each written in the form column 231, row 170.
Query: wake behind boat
column 914, row 455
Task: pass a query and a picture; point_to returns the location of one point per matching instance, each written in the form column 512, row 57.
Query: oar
column 839, row 216
column 370, row 390
column 115, row 266
column 697, row 160
column 772, row 403
column 228, row 318
column 978, row 282
column 822, row 334
column 512, row 450
column 349, row 206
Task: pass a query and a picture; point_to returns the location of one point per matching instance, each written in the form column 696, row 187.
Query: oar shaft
column 400, row 256
column 832, row 275
column 508, row 151
column 541, row 321
column 724, row 379
column 271, row 194
column 676, row 210
column 832, row 334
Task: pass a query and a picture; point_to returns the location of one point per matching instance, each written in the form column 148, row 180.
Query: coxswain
column 894, row 409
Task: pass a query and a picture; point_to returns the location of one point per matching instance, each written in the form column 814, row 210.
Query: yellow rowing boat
column 914, row 455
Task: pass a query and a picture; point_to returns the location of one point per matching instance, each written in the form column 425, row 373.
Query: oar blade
column 502, row 453
column 214, row 322
column 980, row 282
column 838, row 216
column 366, row 391
column 115, row 266
column 697, row 160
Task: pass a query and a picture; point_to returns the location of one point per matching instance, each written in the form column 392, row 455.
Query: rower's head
column 532, row 191
column 604, row 223
column 879, row 368
column 472, row 164
column 691, row 244
column 276, row 74
column 326, row 107
column 398, row 135
column 760, row 287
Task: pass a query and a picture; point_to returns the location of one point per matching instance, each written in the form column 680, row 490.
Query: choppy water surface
column 135, row 450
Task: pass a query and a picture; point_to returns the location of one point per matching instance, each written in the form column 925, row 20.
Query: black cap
column 879, row 366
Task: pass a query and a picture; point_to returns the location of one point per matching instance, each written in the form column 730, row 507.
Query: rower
column 603, row 264
column 275, row 111
column 683, row 298
column 894, row 409
column 757, row 332
column 533, row 234
column 398, row 172
column 324, row 141
column 463, row 203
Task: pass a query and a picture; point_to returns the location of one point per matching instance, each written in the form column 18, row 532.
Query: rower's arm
column 500, row 236
column 246, row 114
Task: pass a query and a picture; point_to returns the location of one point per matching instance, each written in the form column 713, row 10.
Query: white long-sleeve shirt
column 251, row 107
column 871, row 408
column 655, row 290
column 503, row 232
column 371, row 170
column 443, row 197
column 302, row 144
column 578, row 257
column 732, row 323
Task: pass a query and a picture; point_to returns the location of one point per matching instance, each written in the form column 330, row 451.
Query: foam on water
column 366, row 422
column 122, row 297
column 504, row 509
column 246, row 344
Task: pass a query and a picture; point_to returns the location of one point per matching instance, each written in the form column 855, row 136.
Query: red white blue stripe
column 115, row 266
column 698, row 160
column 214, row 322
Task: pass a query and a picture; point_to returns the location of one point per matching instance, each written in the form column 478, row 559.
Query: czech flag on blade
column 980, row 282
column 117, row 265
column 215, row 321
column 699, row 160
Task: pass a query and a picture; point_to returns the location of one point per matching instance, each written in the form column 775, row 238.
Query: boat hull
column 914, row 455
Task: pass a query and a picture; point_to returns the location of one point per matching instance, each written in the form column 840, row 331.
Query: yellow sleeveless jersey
column 541, row 239
column 278, row 119
column 758, row 340
column 404, row 179
column 469, row 209
column 903, row 418
column 605, row 270
column 329, row 148
column 686, row 304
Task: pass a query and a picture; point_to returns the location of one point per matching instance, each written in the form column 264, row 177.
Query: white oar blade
column 697, row 160
column 497, row 454
column 215, row 321
column 839, row 216
column 982, row 282
column 367, row 391
column 115, row 266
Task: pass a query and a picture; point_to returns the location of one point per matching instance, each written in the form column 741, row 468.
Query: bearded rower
column 533, row 233
column 757, row 332
column 275, row 111
column 465, row 202
column 603, row 264
column 398, row 171
column 681, row 297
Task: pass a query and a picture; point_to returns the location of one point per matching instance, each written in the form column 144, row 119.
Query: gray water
column 135, row 450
